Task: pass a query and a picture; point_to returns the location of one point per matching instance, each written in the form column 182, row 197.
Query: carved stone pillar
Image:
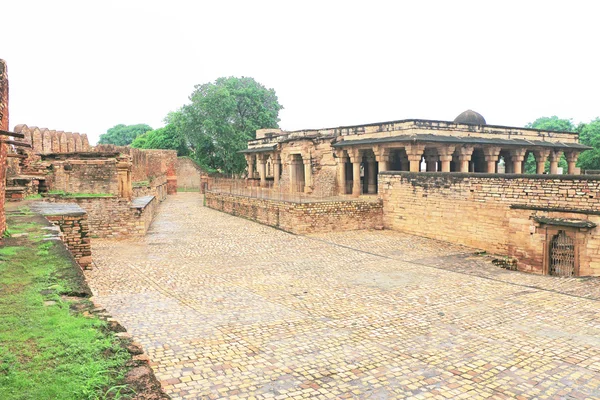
column 464, row 156
column 307, row 174
column 572, row 157
column 262, row 172
column 431, row 159
column 356, row 159
column 342, row 159
column 540, row 158
column 371, row 176
column 517, row 156
column 382, row 155
column 276, row 169
column 124, row 176
column 445, row 154
column 491, row 155
column 250, row 161
column 414, row 153
column 554, row 158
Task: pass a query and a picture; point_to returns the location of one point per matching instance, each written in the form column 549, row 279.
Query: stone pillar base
column 171, row 185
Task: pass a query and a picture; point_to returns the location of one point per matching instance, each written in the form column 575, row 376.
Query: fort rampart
column 512, row 215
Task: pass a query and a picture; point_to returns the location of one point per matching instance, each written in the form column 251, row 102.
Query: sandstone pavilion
column 347, row 160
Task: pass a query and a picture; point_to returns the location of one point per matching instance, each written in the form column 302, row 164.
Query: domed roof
column 470, row 117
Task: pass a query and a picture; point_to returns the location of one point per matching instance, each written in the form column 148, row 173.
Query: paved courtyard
column 227, row 308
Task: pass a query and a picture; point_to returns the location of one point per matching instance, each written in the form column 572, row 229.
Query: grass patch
column 33, row 196
column 48, row 351
column 75, row 195
column 183, row 189
column 141, row 184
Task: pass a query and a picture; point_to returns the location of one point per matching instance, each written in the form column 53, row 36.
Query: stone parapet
column 301, row 218
column 498, row 213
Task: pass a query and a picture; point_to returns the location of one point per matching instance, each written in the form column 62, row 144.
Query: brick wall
column 85, row 176
column 301, row 218
column 75, row 234
column 189, row 174
column 72, row 222
column 113, row 217
column 494, row 213
column 151, row 164
column 3, row 147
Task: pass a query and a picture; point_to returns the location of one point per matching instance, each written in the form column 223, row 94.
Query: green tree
column 123, row 135
column 169, row 138
column 548, row 124
column 222, row 117
column 589, row 134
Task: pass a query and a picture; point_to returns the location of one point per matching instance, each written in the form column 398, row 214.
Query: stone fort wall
column 301, row 218
column 495, row 213
column 3, row 147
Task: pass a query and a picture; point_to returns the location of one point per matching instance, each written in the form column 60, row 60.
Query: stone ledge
column 142, row 202
column 461, row 175
column 66, row 209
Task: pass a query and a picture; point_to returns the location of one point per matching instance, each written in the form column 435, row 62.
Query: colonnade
column 406, row 157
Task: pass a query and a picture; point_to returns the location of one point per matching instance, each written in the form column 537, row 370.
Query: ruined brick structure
column 189, row 174
column 460, row 181
column 301, row 218
column 3, row 146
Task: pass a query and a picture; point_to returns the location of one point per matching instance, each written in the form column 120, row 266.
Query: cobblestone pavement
column 227, row 308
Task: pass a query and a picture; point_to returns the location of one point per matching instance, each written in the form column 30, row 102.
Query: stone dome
column 470, row 117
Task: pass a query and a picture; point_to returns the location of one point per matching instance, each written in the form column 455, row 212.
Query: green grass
column 48, row 351
column 74, row 195
column 140, row 184
column 33, row 196
column 183, row 189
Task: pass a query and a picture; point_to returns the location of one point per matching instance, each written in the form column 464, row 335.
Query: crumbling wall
column 84, row 176
column 301, row 218
column 150, row 165
column 3, row 147
column 113, row 217
column 495, row 213
column 189, row 174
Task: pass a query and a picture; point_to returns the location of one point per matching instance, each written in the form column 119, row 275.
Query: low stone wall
column 301, row 218
column 513, row 215
column 157, row 188
column 113, row 217
column 73, row 223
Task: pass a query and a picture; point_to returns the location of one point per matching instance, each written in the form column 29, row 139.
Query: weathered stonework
column 75, row 232
column 3, row 147
column 497, row 213
column 189, row 174
column 301, row 218
column 113, row 217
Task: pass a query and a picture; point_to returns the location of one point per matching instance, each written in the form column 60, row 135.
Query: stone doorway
column 562, row 255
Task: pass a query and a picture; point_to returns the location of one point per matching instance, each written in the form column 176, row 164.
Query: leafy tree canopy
column 589, row 134
column 223, row 116
column 552, row 124
column 123, row 135
column 548, row 124
column 170, row 138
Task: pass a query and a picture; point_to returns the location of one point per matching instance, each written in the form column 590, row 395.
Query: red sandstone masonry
column 75, row 235
column 3, row 147
column 112, row 217
column 301, row 218
column 475, row 210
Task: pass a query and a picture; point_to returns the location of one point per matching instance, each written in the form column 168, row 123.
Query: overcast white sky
column 85, row 66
